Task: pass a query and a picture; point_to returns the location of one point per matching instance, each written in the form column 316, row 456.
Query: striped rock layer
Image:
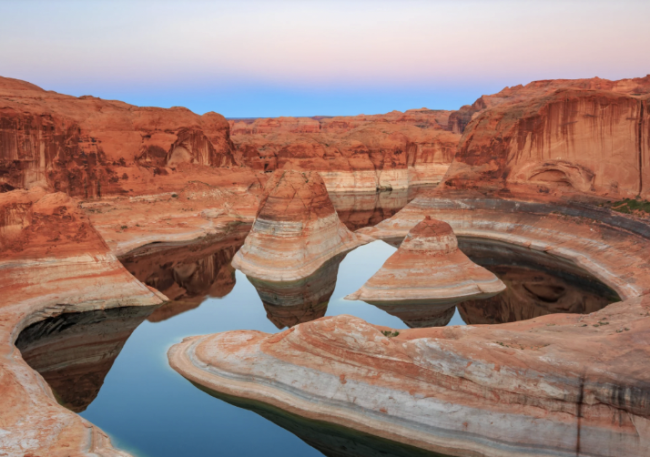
column 429, row 268
column 296, row 230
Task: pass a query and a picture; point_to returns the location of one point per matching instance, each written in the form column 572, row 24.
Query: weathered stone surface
column 352, row 154
column 90, row 147
column 428, row 268
column 416, row 315
column 568, row 142
column 510, row 390
column 296, row 230
column 52, row 262
column 359, row 210
column 458, row 120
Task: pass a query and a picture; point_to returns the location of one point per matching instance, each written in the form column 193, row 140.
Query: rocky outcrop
column 458, row 120
column 296, row 230
column 291, row 303
column 52, row 262
column 74, row 352
column 569, row 142
column 359, row 210
column 428, row 268
column 90, row 147
column 359, row 153
column 416, row 315
column 457, row 391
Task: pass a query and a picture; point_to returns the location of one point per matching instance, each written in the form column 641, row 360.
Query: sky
column 249, row 58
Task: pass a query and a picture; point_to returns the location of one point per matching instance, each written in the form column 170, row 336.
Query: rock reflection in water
column 74, row 352
column 421, row 315
column 187, row 275
column 537, row 284
column 291, row 303
column 330, row 439
column 366, row 210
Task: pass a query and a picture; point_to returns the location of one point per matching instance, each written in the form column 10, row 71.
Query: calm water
column 122, row 382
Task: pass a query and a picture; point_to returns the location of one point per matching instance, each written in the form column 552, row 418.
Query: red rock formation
column 428, row 268
column 296, row 230
column 357, row 153
column 571, row 141
column 458, row 120
column 91, row 147
column 52, row 262
column 549, row 386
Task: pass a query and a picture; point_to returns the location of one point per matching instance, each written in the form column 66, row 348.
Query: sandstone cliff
column 90, row 147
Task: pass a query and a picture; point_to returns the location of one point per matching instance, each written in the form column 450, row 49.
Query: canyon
column 105, row 205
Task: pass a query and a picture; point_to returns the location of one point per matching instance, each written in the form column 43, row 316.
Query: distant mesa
column 428, row 268
column 296, row 230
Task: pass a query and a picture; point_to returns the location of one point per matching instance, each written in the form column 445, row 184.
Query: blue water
column 150, row 410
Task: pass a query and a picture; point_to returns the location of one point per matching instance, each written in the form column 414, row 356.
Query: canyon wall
column 90, row 147
column 354, row 153
column 571, row 141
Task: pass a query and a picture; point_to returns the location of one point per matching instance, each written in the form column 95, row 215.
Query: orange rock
column 428, row 268
column 296, row 230
column 91, row 147
column 569, row 142
column 52, row 262
column 357, row 153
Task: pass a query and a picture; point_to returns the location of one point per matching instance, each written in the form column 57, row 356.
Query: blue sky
column 270, row 58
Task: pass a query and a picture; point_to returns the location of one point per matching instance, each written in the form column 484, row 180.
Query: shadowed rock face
column 291, row 303
column 74, row 352
column 296, row 230
column 187, row 275
column 428, row 268
column 358, row 210
column 421, row 315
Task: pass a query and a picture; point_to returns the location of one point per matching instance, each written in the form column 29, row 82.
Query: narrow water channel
column 111, row 366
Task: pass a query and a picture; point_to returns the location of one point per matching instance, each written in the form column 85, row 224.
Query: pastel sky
column 247, row 58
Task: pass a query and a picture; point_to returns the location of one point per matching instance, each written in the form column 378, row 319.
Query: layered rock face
column 571, row 141
column 74, row 352
column 549, row 386
column 291, row 303
column 90, row 147
column 428, row 268
column 52, row 262
column 458, row 120
column 358, row 153
column 296, row 230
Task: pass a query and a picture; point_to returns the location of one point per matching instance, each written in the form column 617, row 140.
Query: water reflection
column 537, row 284
column 366, row 210
column 421, row 315
column 187, row 275
column 330, row 439
column 74, row 352
column 291, row 303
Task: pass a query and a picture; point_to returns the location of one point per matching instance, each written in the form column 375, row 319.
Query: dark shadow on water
column 74, row 352
column 330, row 439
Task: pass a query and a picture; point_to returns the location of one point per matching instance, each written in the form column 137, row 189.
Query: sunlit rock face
column 456, row 390
column 296, row 230
column 74, row 352
column 90, row 147
column 352, row 154
column 429, row 268
column 291, row 303
column 458, row 120
column 568, row 142
column 187, row 275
